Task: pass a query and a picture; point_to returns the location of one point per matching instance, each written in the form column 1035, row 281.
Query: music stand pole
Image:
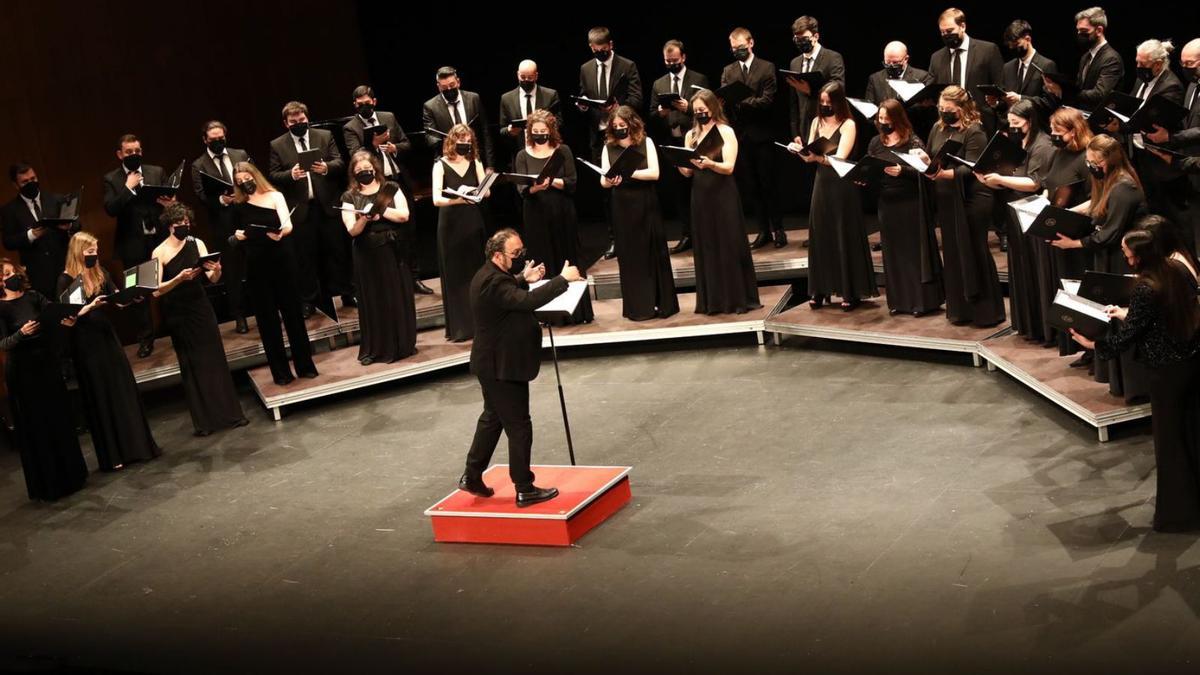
column 562, row 399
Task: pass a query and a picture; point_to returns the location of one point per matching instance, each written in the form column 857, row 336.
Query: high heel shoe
column 818, row 301
column 848, row 305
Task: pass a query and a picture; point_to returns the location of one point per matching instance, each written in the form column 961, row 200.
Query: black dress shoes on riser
column 611, row 252
column 535, row 496
column 307, row 310
column 240, row 326
column 422, row 288
column 145, row 349
column 475, row 486
column 761, row 240
column 780, row 239
column 685, row 244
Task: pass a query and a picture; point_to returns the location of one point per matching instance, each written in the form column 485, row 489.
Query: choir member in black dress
column 912, row 265
column 964, row 210
column 1116, row 204
column 839, row 257
column 264, row 226
column 387, row 310
column 551, row 230
column 50, row 455
column 207, row 385
column 111, row 402
column 647, row 284
column 1162, row 324
column 1024, row 293
column 460, row 233
column 725, row 278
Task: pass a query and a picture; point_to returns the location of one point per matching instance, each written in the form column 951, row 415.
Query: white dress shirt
column 389, row 164
column 307, row 145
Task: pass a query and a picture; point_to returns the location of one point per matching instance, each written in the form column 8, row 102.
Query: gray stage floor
column 792, row 508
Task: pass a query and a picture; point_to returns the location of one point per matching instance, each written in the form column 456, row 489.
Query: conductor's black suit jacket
column 508, row 339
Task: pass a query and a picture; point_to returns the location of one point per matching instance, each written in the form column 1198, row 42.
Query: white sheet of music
column 906, row 90
column 867, row 108
column 566, row 302
column 912, row 160
column 1081, row 305
column 1028, row 208
column 841, row 166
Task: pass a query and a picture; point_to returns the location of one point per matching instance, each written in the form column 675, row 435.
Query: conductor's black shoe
column 145, row 349
column 240, row 327
column 1085, row 359
column 307, row 310
column 536, row 496
column 780, row 239
column 475, row 486
column 761, row 240
column 685, row 244
column 422, row 288
column 611, row 252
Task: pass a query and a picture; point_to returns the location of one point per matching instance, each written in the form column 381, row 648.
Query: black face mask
column 451, row 95
column 674, row 68
column 181, row 232
column 527, row 85
column 540, row 139
column 952, row 40
column 299, row 129
column 89, row 261
column 949, row 118
column 518, row 263
column 1194, row 74
column 249, row 187
column 1058, row 141
column 462, row 149
column 620, row 134
column 1145, row 74
column 365, row 177
column 803, row 44
column 132, row 162
column 217, row 147
column 825, row 110
column 703, row 118
column 893, row 70
column 601, row 55
column 1085, row 40
column 14, row 283
column 741, row 53
column 30, row 190
column 1020, row 50
column 1097, row 172
column 366, row 111
column 1016, row 133
column 886, row 129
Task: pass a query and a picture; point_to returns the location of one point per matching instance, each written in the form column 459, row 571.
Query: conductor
column 505, row 356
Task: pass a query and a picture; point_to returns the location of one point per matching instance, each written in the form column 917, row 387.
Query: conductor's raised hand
column 570, row 272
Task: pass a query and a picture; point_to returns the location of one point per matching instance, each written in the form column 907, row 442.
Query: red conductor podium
column 588, row 495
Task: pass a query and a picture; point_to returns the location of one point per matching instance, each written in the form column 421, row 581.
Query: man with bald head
column 895, row 67
column 517, row 104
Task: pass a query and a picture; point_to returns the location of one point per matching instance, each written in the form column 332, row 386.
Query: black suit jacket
column 625, row 85
column 220, row 218
column 661, row 126
column 134, row 213
column 1102, row 77
column 1149, row 167
column 1189, row 136
column 435, row 114
column 752, row 118
column 327, row 189
column 804, row 108
column 878, row 90
column 984, row 65
column 45, row 257
column 512, row 107
column 508, row 339
column 1032, row 88
column 352, row 134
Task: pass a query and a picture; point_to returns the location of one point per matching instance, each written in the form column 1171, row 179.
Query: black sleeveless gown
column 460, row 240
column 839, row 256
column 725, row 278
column 647, row 284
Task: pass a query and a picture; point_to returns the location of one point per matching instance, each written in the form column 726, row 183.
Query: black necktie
column 303, row 143
column 603, row 84
column 675, row 84
column 956, row 68
column 220, row 162
column 745, row 71
column 1021, row 75
column 1083, row 68
column 454, row 112
column 1192, row 98
column 528, row 105
column 37, row 210
column 808, row 64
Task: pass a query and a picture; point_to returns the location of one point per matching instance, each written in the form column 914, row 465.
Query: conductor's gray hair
column 495, row 243
column 1094, row 16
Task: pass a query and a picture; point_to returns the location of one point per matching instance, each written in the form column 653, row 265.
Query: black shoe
column 309, row 374
column 818, row 301
column 894, row 312
column 475, row 486
column 349, row 301
column 848, row 305
column 145, row 349
column 877, row 247
column 535, row 495
column 242, row 422
column 1004, row 244
column 284, row 381
column 780, row 239
column 422, row 289
column 761, row 240
column 685, row 244
column 804, row 244
column 240, row 327
column 366, row 360
column 611, row 252
column 1085, row 360
column 307, row 310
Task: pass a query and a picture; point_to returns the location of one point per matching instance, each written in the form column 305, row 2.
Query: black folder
column 991, row 90
column 592, row 102
column 733, row 93
column 550, row 170
column 667, row 100
column 369, row 133
column 814, row 78
column 169, row 188
column 1065, row 81
column 928, row 94
column 70, row 301
column 139, row 281
column 68, row 212
column 866, row 170
column 708, row 147
column 214, row 185
column 1157, row 111
column 306, row 158
column 1051, row 220
column 624, row 165
column 211, row 257
column 520, row 124
column 1085, row 316
column 1107, row 289
column 1001, row 156
column 820, row 146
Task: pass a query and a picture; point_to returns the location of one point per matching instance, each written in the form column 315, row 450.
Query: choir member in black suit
column 1162, row 324
column 264, row 231
column 453, row 106
column 322, row 247
column 806, row 35
column 137, row 219
column 1100, row 67
column 1022, row 76
column 607, row 77
column 521, row 102
column 460, row 233
column 391, row 147
column 111, row 402
column 1186, row 140
column 505, row 356
column 839, row 258
column 1026, row 255
column 966, row 61
column 752, row 120
column 50, row 456
column 964, row 211
column 387, row 312
column 207, row 385
column 551, row 227
column 725, row 278
column 218, row 161
column 1117, row 202
column 912, row 265
column 895, row 67
column 43, row 249
column 647, row 283
column 669, row 125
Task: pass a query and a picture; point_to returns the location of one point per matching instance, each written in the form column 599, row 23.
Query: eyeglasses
column 515, row 254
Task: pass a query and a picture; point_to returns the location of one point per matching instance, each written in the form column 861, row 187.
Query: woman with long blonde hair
column 111, row 402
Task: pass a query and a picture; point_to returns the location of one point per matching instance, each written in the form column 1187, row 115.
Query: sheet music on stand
column 565, row 304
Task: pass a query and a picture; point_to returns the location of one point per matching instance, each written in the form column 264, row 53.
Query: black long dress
column 111, row 402
column 964, row 213
column 551, row 227
column 839, row 255
column 50, row 456
column 271, row 280
column 647, row 284
column 460, row 240
column 1067, row 174
column 207, row 385
column 1024, row 291
column 725, row 278
column 1173, row 367
column 387, row 310
column 912, row 264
